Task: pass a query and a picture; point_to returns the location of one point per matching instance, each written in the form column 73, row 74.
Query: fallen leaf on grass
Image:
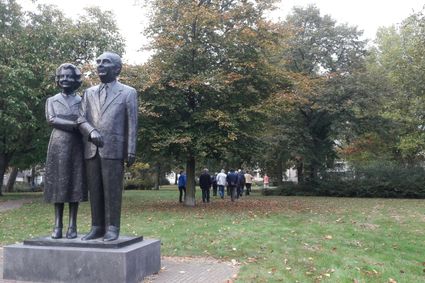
column 328, row 237
column 390, row 280
column 371, row 272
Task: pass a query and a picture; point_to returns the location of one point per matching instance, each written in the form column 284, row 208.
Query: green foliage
column 398, row 59
column 34, row 44
column 322, row 59
column 210, row 71
column 139, row 184
column 378, row 180
column 320, row 45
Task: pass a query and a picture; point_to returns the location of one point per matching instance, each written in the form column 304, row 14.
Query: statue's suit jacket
column 116, row 121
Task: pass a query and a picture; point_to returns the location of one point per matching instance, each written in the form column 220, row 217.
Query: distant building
column 25, row 177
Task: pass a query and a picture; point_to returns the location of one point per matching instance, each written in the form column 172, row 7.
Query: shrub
column 138, row 184
column 379, row 180
column 164, row 181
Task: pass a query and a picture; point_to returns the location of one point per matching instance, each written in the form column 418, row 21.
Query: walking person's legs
column 221, row 191
column 180, row 194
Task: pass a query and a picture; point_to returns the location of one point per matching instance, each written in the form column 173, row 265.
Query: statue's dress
column 65, row 171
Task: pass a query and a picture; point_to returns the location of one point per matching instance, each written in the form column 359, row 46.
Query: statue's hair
column 77, row 74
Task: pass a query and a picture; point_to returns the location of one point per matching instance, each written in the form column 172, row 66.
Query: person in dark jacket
column 205, row 184
column 241, row 183
column 214, row 184
column 182, row 186
column 232, row 181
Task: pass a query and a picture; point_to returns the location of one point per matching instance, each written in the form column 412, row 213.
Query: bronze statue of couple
column 92, row 137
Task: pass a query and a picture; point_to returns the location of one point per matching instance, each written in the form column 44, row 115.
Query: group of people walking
column 236, row 182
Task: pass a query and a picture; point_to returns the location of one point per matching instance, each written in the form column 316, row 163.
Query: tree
column 210, row 71
column 34, row 44
column 398, row 59
column 322, row 58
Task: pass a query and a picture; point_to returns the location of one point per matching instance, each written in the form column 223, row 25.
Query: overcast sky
column 368, row 15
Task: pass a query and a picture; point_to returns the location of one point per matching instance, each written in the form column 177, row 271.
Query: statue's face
column 66, row 79
column 106, row 68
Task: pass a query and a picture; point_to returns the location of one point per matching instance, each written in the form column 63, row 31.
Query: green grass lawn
column 275, row 239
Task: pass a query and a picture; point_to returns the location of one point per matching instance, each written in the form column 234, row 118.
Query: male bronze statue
column 108, row 121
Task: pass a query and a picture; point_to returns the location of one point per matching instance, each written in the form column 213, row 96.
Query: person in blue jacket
column 241, row 183
column 232, row 182
column 182, row 186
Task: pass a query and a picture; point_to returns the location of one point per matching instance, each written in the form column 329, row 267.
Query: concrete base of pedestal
column 129, row 264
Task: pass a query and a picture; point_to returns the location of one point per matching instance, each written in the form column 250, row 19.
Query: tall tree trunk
column 313, row 172
column 12, row 179
column 175, row 178
column 32, row 178
column 4, row 162
column 279, row 173
column 300, row 171
column 157, row 175
column 190, row 182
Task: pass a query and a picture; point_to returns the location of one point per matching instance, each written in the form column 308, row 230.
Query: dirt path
column 12, row 204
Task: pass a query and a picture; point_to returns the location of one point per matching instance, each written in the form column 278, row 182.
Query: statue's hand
column 130, row 159
column 96, row 138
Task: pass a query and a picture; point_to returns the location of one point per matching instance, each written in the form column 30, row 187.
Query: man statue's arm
column 85, row 127
column 132, row 126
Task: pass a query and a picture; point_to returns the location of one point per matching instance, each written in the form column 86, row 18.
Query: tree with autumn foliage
column 209, row 73
column 322, row 59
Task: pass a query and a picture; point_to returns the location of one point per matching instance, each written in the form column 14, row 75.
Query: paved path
column 12, row 204
column 194, row 270
column 178, row 270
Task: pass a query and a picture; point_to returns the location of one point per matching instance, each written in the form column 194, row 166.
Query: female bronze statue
column 65, row 172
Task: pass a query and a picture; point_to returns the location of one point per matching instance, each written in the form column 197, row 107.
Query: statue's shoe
column 95, row 232
column 112, row 234
column 57, row 233
column 71, row 233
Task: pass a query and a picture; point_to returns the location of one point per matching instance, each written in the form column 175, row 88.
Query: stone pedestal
column 82, row 261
